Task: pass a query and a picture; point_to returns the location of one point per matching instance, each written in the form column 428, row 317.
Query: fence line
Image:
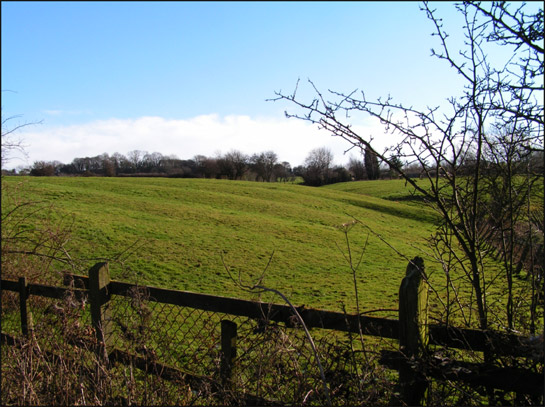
column 501, row 343
column 412, row 329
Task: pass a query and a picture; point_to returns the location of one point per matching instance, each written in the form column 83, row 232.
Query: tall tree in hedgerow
column 371, row 164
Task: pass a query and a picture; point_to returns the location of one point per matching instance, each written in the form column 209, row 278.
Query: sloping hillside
column 183, row 226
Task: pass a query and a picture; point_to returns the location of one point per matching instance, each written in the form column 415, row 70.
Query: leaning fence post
column 228, row 349
column 99, row 278
column 413, row 330
column 26, row 317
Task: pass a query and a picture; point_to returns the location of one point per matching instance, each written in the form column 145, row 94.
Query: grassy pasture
column 183, row 226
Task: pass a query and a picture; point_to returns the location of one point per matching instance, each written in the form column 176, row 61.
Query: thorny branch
column 258, row 287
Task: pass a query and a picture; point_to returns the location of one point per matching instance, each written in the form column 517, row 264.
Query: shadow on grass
column 403, row 211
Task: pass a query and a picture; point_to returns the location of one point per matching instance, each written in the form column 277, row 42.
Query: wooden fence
column 413, row 331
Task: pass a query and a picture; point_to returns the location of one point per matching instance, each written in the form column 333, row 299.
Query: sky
column 188, row 78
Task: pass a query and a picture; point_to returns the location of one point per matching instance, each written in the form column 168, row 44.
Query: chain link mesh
column 273, row 364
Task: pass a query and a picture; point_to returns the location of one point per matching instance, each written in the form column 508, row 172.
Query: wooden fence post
column 99, row 278
column 413, row 330
column 228, row 349
column 26, row 317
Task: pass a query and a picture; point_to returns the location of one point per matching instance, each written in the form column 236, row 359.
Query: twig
column 260, row 289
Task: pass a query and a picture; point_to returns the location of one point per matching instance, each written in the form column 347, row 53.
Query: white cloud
column 290, row 139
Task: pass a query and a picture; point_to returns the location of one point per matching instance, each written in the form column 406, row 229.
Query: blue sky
column 190, row 78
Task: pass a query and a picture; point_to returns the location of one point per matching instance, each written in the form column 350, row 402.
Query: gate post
column 413, row 331
column 228, row 349
column 26, row 317
column 99, row 278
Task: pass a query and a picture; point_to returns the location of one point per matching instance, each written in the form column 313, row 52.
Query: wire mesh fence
column 274, row 363
column 160, row 351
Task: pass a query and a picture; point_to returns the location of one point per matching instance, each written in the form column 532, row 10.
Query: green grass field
column 182, row 227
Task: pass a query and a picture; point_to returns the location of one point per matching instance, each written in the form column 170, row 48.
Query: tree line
column 233, row 165
column 318, row 168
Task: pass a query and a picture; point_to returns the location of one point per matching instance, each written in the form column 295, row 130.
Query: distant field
column 183, row 226
column 391, row 190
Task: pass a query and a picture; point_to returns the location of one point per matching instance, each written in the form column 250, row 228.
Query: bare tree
column 45, row 168
column 263, row 164
column 442, row 141
column 151, row 162
column 11, row 143
column 135, row 157
column 233, row 164
column 283, row 171
column 356, row 167
column 318, row 166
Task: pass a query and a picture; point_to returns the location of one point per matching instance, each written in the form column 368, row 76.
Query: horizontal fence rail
column 118, row 311
column 460, row 338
